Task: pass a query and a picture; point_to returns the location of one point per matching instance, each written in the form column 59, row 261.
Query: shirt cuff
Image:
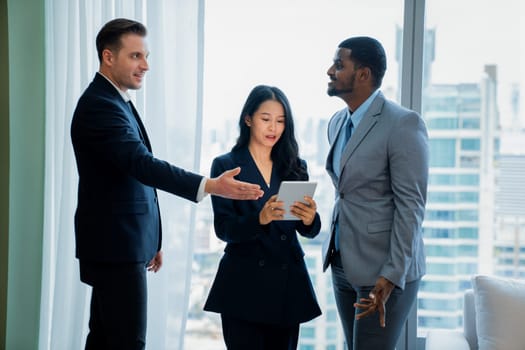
column 201, row 193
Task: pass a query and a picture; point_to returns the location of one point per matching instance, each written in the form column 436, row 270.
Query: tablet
column 294, row 191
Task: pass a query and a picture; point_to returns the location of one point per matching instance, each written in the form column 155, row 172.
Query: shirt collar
column 124, row 94
column 359, row 113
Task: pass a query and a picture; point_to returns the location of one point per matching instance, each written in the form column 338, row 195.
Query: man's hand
column 226, row 186
column 376, row 300
column 156, row 263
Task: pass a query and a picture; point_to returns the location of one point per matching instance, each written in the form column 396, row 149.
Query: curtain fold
column 169, row 106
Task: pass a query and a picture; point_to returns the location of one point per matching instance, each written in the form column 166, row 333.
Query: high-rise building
column 325, row 331
column 457, row 219
column 509, row 234
column 462, row 121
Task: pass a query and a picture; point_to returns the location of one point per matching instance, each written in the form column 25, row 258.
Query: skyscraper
column 462, row 121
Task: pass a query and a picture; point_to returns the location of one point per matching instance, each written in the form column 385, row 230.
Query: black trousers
column 243, row 335
column 118, row 312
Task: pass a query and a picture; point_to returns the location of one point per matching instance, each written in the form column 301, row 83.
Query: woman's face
column 266, row 124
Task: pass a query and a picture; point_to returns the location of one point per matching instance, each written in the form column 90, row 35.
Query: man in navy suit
column 378, row 162
column 117, row 222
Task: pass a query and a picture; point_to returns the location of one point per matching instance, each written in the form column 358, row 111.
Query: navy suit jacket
column 262, row 276
column 117, row 217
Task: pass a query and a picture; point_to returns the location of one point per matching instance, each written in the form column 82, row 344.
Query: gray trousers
column 367, row 334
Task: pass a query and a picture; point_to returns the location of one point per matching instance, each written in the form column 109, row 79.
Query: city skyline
column 236, row 60
column 460, row 215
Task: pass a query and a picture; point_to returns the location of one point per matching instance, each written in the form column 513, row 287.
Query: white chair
column 492, row 318
column 457, row 340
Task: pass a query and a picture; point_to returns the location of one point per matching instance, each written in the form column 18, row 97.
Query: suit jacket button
column 341, row 195
column 283, row 237
column 261, row 262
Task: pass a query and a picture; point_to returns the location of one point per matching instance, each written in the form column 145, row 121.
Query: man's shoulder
column 393, row 107
column 401, row 118
column 340, row 113
column 100, row 97
column 337, row 116
column 100, row 88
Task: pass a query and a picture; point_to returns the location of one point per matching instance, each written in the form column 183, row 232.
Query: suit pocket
column 379, row 226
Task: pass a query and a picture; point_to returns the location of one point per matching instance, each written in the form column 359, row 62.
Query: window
column 453, row 197
column 331, row 333
column 442, row 153
column 470, row 144
column 310, row 263
column 442, row 269
column 468, row 232
column 472, row 111
column 307, row 332
column 274, row 42
column 470, row 102
column 441, row 304
column 331, row 315
column 433, row 232
column 442, row 123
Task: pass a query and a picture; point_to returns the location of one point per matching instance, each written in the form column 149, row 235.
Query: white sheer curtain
column 169, row 103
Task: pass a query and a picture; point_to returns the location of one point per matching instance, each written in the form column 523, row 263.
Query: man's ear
column 365, row 73
column 107, row 57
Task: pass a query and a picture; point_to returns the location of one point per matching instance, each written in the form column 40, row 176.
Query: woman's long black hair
column 285, row 153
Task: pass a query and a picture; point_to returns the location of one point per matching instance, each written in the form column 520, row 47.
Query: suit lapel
column 142, row 129
column 250, row 173
column 100, row 82
column 330, row 159
column 367, row 123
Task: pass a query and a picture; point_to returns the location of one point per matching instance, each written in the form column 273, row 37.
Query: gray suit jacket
column 380, row 195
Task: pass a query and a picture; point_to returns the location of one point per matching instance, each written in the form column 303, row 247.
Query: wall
column 25, row 90
column 4, row 169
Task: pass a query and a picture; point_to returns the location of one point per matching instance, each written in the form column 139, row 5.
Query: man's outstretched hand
column 226, row 186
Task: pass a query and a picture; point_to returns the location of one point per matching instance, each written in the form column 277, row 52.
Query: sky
column 272, row 42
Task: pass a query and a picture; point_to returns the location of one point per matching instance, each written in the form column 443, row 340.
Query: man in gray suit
column 378, row 162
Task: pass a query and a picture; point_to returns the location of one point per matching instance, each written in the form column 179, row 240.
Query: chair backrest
column 469, row 319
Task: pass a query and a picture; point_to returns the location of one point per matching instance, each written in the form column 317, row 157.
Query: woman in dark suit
column 262, row 289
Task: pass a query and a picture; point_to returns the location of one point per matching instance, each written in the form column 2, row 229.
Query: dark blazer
column 262, row 276
column 117, row 217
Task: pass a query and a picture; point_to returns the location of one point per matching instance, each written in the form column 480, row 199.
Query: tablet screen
column 294, row 191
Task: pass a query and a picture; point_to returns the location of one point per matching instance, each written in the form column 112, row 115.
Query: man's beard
column 332, row 91
column 335, row 92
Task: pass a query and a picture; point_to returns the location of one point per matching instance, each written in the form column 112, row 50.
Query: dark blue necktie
column 348, row 133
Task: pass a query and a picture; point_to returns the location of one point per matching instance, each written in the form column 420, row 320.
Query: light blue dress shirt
column 340, row 145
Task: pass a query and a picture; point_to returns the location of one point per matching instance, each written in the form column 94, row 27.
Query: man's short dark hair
column 367, row 52
column 109, row 36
